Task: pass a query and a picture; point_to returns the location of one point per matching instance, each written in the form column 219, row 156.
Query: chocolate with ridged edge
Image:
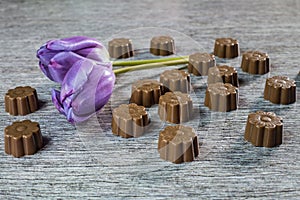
column 255, row 62
column 221, row 97
column 120, row 48
column 226, row 48
column 176, row 80
column 223, row 74
column 264, row 129
column 129, row 120
column 162, row 46
column 199, row 63
column 175, row 107
column 21, row 100
column 22, row 138
column 146, row 92
column 178, row 144
column 280, row 90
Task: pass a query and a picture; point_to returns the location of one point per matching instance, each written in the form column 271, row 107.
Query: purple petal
column 73, row 43
column 56, row 101
column 86, row 88
column 97, row 54
column 60, row 64
column 45, row 55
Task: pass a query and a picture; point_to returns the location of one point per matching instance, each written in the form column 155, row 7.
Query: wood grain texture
column 87, row 162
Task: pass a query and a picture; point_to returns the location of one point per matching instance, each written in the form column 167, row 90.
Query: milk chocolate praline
column 178, row 144
column 176, row 80
column 162, row 46
column 199, row 63
column 22, row 138
column 120, row 48
column 226, row 48
column 21, row 100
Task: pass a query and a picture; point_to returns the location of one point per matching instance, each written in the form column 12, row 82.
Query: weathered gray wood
column 88, row 162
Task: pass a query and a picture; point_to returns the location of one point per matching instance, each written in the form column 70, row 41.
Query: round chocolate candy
column 221, row 97
column 120, row 48
column 280, row 90
column 264, row 129
column 162, row 46
column 21, row 100
column 175, row 107
column 226, row 48
column 129, row 120
column 22, row 138
column 255, row 62
column 178, row 144
column 146, row 92
column 223, row 74
column 199, row 63
column 176, row 80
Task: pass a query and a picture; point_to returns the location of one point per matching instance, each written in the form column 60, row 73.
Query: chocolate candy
column 21, row 100
column 280, row 90
column 221, row 97
column 129, row 120
column 120, row 48
column 22, row 138
column 264, row 129
column 255, row 62
column 199, row 63
column 175, row 107
column 224, row 74
column 226, row 48
column 146, row 92
column 178, row 144
column 176, row 80
column 162, row 46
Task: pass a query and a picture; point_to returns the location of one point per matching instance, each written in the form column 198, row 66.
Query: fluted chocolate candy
column 162, row 46
column 226, row 48
column 176, row 80
column 264, row 129
column 175, row 107
column 146, row 92
column 199, row 63
column 22, row 138
column 21, row 100
column 178, row 144
column 221, row 97
column 120, row 48
column 223, row 74
column 280, row 90
column 255, row 62
column 129, row 120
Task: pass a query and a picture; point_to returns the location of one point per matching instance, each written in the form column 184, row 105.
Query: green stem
column 151, row 65
column 141, row 62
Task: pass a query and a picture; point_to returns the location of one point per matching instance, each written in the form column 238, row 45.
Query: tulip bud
column 58, row 56
column 86, row 88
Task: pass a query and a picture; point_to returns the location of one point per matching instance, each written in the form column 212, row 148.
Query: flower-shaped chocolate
column 226, row 48
column 162, row 46
column 21, row 100
column 280, row 90
column 264, row 129
column 176, row 80
column 120, row 48
column 199, row 63
column 23, row 138
column 146, row 92
column 178, row 144
column 221, row 97
column 255, row 62
column 175, row 107
column 224, row 74
column 129, row 120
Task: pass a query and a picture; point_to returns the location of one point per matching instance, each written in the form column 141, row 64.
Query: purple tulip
column 57, row 56
column 85, row 89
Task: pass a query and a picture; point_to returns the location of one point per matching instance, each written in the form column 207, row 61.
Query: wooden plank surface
column 86, row 161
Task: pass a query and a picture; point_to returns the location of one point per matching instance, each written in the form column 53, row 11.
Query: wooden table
column 86, row 161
